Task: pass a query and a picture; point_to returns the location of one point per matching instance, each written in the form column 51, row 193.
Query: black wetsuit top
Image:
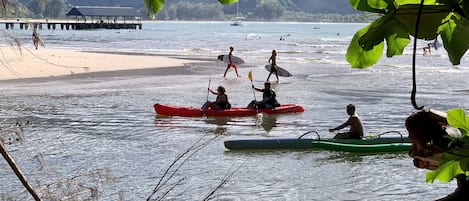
column 223, row 105
column 270, row 94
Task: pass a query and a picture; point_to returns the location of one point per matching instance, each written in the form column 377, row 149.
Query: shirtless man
column 356, row 127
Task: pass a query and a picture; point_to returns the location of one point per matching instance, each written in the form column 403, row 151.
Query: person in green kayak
column 268, row 98
column 356, row 126
column 220, row 103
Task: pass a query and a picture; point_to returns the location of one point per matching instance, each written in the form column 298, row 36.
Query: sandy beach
column 22, row 63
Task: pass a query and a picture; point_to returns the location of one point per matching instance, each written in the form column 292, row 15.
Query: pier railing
column 67, row 25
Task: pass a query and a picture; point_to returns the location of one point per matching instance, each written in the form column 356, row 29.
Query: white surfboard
column 234, row 59
column 281, row 71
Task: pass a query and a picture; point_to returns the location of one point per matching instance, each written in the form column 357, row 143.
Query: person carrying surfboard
column 273, row 65
column 356, row 127
column 230, row 63
column 36, row 39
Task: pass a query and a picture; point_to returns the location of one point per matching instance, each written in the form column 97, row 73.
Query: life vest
column 271, row 95
column 223, row 105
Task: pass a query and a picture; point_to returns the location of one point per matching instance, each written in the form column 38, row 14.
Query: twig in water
column 18, row 172
column 194, row 148
column 225, row 179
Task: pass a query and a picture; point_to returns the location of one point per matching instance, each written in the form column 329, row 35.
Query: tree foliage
column 321, row 6
column 47, row 8
column 284, row 10
column 190, row 11
column 447, row 18
column 454, row 163
column 54, row 9
column 269, row 9
column 281, row 10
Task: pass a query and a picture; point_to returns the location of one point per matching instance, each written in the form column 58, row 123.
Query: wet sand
column 19, row 63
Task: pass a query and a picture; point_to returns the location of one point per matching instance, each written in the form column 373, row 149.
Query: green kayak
column 376, row 144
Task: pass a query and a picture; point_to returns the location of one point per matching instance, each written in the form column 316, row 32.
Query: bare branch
column 182, row 158
column 225, row 179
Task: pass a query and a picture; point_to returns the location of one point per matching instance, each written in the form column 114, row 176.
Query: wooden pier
column 70, row 25
column 86, row 17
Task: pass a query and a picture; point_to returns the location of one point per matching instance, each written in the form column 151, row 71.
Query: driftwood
column 18, row 172
column 427, row 130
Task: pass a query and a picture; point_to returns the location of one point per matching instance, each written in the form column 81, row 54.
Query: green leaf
column 227, row 1
column 454, row 35
column 396, row 35
column 375, row 33
column 465, row 138
column 360, row 58
column 457, row 118
column 464, row 163
column 434, row 19
column 153, row 6
column 451, row 165
column 397, row 38
column 430, row 20
column 364, row 6
column 381, row 4
column 417, row 2
column 465, row 8
column 445, row 172
column 396, row 44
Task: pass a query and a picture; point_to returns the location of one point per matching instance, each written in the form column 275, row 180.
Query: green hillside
column 266, row 10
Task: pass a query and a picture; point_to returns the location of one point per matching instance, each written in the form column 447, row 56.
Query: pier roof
column 103, row 11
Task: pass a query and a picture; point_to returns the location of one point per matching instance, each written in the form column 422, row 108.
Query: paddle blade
column 250, row 75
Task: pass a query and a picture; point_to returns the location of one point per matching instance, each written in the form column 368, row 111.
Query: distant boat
column 239, row 21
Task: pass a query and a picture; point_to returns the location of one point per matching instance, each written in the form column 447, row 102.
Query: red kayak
column 167, row 110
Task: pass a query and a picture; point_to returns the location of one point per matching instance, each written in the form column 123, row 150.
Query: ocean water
column 83, row 125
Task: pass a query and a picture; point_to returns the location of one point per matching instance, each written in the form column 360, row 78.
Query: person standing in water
column 36, row 39
column 273, row 65
column 231, row 64
column 356, row 127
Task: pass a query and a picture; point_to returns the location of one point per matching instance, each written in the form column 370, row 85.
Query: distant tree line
column 192, row 11
column 47, row 8
column 264, row 10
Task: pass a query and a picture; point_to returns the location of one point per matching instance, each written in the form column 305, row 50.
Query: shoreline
column 19, row 63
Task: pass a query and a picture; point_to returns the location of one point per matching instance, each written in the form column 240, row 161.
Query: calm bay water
column 85, row 124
